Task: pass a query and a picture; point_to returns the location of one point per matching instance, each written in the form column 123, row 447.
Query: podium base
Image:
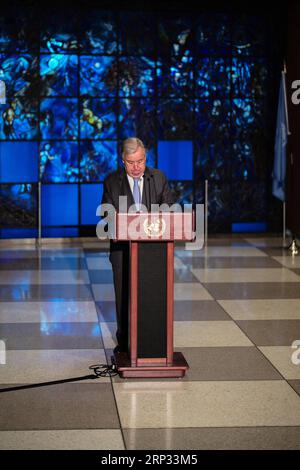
column 177, row 369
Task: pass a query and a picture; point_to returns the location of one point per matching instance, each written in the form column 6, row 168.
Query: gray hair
column 131, row 145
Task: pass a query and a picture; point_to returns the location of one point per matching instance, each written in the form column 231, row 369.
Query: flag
column 279, row 169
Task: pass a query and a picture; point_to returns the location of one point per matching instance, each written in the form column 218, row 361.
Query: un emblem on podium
column 154, row 228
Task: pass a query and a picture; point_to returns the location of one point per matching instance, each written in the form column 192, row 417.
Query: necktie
column 136, row 192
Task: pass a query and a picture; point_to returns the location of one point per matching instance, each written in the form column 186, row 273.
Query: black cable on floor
column 100, row 370
column 104, row 370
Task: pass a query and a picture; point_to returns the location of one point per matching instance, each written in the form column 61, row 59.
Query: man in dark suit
column 141, row 184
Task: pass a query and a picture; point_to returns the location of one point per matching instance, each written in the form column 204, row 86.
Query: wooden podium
column 151, row 238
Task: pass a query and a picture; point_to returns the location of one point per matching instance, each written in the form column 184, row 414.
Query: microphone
column 153, row 179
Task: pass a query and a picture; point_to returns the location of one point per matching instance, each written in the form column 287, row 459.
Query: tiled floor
column 237, row 313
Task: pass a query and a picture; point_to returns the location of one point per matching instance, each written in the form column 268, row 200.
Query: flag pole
column 288, row 132
column 293, row 248
column 206, row 213
column 284, row 224
column 284, row 72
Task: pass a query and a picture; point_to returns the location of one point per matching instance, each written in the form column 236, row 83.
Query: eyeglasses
column 131, row 164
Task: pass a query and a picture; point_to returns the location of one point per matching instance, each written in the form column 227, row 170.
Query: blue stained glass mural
column 219, row 208
column 137, row 117
column 249, row 77
column 59, row 29
column 136, row 76
column 59, row 162
column 247, row 115
column 91, row 196
column 213, row 159
column 213, row 77
column 248, row 162
column 99, row 32
column 98, row 119
column 59, row 204
column 19, row 119
column 213, row 34
column 199, row 194
column 97, row 160
column 175, row 158
column 20, row 34
column 18, row 205
column 248, row 227
column 212, row 117
column 183, row 191
column 59, row 118
column 212, row 142
column 137, row 33
column 80, row 81
column 247, row 197
column 249, row 35
column 58, row 42
column 18, row 162
column 98, row 76
column 59, row 75
column 175, row 76
column 175, row 35
column 6, row 38
column 18, row 232
column 249, row 139
column 175, row 119
column 60, row 232
column 19, row 72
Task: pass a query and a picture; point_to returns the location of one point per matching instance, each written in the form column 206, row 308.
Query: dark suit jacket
column 155, row 188
column 155, row 191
